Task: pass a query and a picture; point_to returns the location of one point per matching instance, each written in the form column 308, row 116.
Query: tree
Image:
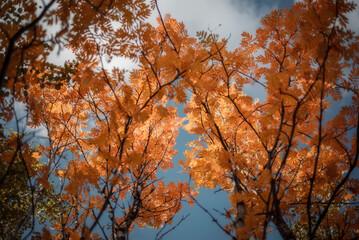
column 288, row 160
column 107, row 136
column 108, row 132
column 18, row 196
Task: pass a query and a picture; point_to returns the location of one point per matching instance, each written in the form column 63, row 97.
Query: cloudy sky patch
column 225, row 17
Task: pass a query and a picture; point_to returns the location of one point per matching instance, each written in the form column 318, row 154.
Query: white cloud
column 233, row 16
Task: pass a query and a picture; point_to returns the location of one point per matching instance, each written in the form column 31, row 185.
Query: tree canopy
column 289, row 160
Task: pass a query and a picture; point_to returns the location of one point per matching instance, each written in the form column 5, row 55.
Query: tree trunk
column 278, row 219
column 241, row 210
column 120, row 231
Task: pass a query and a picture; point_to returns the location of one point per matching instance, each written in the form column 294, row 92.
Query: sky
column 225, row 17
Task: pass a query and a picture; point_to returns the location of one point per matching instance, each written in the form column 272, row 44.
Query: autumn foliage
column 87, row 142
